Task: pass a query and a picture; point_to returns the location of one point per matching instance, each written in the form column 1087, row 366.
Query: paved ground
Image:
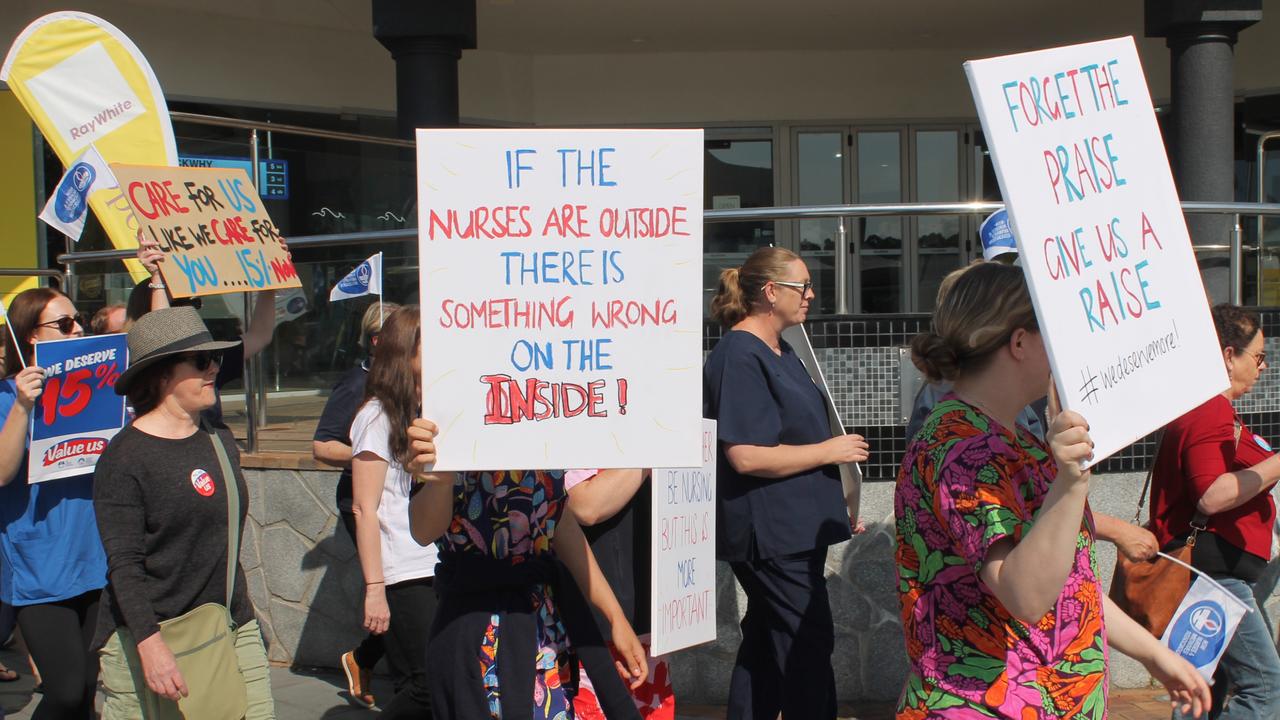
column 303, row 694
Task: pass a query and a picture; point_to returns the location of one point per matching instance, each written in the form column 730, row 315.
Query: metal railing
column 255, row 378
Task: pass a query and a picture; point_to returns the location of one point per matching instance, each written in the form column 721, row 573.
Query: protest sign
column 83, row 82
column 211, row 226
column 1101, row 236
column 1203, row 625
column 79, row 411
column 561, row 286
column 683, row 550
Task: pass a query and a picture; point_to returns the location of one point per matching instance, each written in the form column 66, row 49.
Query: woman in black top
column 160, row 496
column 779, row 502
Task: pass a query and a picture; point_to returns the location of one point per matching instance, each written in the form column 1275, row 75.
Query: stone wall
column 306, row 585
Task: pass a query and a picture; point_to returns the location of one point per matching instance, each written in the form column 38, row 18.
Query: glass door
column 936, row 178
column 820, row 180
column 879, row 279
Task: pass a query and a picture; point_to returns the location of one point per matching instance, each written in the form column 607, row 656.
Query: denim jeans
column 1250, row 668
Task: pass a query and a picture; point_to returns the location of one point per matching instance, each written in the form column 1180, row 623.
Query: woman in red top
column 1211, row 464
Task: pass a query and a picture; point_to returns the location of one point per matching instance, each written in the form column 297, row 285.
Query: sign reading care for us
column 1100, row 235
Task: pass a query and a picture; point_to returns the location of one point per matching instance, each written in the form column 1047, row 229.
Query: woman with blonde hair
column 1001, row 608
column 779, row 502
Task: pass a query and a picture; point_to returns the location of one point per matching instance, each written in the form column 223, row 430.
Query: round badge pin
column 202, row 481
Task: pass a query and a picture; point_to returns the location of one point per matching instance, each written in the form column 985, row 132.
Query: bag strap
column 1199, row 521
column 233, row 508
column 1146, row 485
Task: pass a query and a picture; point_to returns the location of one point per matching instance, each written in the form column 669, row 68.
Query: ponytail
column 729, row 306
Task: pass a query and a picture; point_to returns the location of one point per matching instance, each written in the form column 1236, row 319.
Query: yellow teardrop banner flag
column 83, row 82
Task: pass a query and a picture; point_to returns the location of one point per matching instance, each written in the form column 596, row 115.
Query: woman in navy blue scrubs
column 779, row 500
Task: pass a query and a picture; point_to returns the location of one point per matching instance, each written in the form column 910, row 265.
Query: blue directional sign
column 273, row 175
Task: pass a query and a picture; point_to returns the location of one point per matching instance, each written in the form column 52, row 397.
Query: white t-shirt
column 402, row 557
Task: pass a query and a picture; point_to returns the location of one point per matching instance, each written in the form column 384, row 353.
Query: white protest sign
column 1204, row 624
column 561, row 286
column 1101, row 236
column 682, row 607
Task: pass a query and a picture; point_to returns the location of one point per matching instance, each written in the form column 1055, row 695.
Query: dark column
column 1201, row 35
column 426, row 39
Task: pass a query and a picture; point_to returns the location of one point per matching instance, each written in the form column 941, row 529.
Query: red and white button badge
column 202, row 481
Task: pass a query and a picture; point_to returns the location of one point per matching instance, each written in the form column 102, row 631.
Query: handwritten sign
column 683, row 544
column 1101, row 236
column 79, row 412
column 212, row 227
column 561, row 285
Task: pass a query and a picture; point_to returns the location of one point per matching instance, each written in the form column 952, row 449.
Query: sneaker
column 358, row 684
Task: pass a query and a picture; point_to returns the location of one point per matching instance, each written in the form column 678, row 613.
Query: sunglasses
column 203, row 359
column 803, row 287
column 65, row 324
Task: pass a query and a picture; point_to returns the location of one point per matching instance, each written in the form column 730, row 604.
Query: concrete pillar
column 1201, row 36
column 426, row 39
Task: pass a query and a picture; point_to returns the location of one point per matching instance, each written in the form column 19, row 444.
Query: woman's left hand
column 1188, row 691
column 422, row 445
column 636, row 668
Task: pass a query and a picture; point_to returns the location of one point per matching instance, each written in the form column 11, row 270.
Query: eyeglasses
column 203, row 359
column 65, row 324
column 803, row 287
column 1260, row 357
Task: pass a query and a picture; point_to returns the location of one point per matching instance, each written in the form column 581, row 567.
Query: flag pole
column 379, row 290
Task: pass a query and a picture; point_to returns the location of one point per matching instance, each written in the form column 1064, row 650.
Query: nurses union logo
column 357, row 281
column 202, row 481
column 1206, row 620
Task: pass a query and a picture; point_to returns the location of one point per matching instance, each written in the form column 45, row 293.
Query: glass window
column 820, row 164
column 880, row 249
column 937, row 178
column 737, row 174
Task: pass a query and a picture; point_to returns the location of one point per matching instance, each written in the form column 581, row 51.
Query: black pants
column 370, row 650
column 413, row 606
column 59, row 634
column 788, row 636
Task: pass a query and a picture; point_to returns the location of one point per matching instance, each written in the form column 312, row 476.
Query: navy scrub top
column 760, row 398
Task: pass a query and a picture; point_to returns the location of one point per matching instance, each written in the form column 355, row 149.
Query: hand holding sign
column 211, row 228
column 30, row 383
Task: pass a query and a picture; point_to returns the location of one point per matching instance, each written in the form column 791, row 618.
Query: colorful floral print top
column 965, row 483
column 513, row 515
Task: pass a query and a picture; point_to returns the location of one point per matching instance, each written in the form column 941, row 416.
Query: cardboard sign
column 212, row 227
column 683, row 545
column 561, row 286
column 1101, row 236
column 79, row 411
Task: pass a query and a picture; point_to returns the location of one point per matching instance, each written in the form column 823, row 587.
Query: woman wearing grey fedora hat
column 162, row 494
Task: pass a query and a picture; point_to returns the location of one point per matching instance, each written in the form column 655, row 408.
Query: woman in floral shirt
column 1001, row 605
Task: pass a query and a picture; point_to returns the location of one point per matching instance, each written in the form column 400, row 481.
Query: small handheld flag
column 68, row 206
column 365, row 279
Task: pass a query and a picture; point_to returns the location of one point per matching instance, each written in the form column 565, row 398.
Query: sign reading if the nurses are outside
column 1101, row 236
column 561, row 286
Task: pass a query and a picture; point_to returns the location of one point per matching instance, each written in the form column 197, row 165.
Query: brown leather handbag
column 1150, row 591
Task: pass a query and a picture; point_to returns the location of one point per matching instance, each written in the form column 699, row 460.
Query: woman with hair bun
column 1002, row 610
column 779, row 503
